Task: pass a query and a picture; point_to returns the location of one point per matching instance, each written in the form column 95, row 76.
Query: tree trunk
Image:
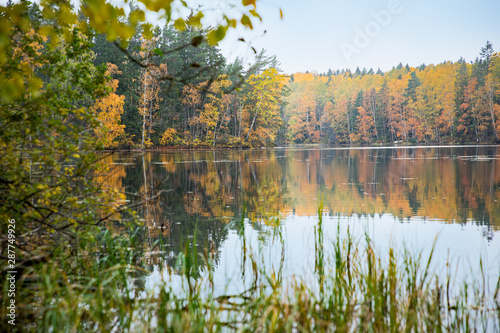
column 144, row 101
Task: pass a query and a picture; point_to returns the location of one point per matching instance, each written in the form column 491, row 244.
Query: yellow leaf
column 248, row 3
column 147, row 32
column 195, row 21
column 136, row 16
column 215, row 36
column 255, row 14
column 232, row 23
column 46, row 30
column 179, row 24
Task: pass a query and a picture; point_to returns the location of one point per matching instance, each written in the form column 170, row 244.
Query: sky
column 319, row 35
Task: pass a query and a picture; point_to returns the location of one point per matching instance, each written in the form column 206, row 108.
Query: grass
column 97, row 288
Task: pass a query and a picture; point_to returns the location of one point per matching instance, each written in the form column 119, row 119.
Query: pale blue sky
column 316, row 35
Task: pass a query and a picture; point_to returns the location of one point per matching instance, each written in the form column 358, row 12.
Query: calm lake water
column 400, row 197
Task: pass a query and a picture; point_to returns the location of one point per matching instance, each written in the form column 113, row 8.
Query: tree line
column 216, row 103
column 449, row 102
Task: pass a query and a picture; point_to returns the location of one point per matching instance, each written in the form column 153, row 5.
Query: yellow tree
column 303, row 120
column 344, row 91
column 491, row 87
column 442, row 95
column 475, row 118
column 494, row 87
column 370, row 106
column 340, row 120
column 302, row 107
column 215, row 112
column 261, row 118
column 396, row 113
column 224, row 104
column 206, row 107
column 366, row 126
column 29, row 59
column 109, row 110
column 191, row 102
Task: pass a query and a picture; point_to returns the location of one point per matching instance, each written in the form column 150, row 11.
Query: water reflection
column 206, row 190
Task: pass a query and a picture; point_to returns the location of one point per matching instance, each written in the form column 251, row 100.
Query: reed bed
column 97, row 287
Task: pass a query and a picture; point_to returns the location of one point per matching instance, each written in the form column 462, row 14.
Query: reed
column 97, row 287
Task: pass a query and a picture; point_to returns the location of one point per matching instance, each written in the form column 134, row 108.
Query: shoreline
column 300, row 146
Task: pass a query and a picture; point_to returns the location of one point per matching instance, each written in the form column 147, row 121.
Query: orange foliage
column 109, row 110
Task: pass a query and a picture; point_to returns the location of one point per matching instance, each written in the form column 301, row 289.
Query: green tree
column 47, row 143
column 51, row 179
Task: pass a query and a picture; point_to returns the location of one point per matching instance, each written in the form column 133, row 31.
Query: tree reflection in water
column 206, row 190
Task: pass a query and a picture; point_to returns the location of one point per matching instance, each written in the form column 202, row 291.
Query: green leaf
column 245, row 20
column 158, row 52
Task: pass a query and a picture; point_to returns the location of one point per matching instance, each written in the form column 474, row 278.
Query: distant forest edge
column 193, row 97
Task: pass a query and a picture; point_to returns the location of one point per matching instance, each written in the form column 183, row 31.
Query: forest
column 445, row 103
column 220, row 104
column 171, row 86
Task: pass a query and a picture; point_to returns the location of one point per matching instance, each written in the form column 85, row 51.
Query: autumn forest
column 100, row 234
column 215, row 103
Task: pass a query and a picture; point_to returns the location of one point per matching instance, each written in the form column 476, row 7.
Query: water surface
column 405, row 197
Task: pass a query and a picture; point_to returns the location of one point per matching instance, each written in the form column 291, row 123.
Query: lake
column 411, row 198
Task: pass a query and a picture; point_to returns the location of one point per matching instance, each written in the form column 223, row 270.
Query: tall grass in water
column 83, row 288
column 356, row 289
